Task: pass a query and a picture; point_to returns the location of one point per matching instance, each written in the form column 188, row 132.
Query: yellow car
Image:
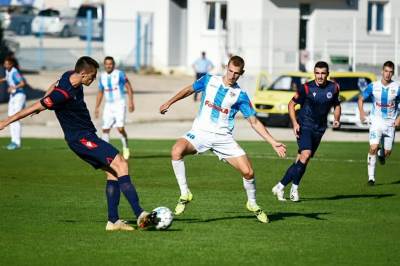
column 271, row 101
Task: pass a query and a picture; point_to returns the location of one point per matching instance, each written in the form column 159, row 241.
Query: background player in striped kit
column 16, row 84
column 212, row 130
column 384, row 117
column 112, row 84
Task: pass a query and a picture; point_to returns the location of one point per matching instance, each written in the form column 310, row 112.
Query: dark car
column 20, row 19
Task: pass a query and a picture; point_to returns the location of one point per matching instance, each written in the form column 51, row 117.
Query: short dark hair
column 236, row 61
column 10, row 59
column 388, row 64
column 85, row 62
column 322, row 64
column 109, row 58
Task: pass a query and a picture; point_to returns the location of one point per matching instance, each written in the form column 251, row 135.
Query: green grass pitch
column 53, row 209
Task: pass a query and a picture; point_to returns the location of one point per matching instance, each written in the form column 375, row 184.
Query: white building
column 270, row 34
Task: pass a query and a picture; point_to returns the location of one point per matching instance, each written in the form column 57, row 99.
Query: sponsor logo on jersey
column 89, row 144
column 388, row 105
column 215, row 107
column 48, row 102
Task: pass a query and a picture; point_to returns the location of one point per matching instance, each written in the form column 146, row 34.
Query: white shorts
column 114, row 115
column 223, row 145
column 16, row 103
column 382, row 131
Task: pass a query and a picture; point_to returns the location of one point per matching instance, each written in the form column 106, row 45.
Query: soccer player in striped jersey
column 112, row 84
column 16, row 84
column 221, row 100
column 384, row 117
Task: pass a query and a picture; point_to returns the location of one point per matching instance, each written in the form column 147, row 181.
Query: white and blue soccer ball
column 164, row 218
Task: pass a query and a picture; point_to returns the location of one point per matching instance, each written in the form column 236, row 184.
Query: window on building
column 216, row 15
column 378, row 16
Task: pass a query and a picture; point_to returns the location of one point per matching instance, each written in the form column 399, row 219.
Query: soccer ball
column 163, row 218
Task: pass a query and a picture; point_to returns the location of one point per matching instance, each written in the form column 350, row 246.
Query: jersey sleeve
column 245, row 106
column 336, row 98
column 101, row 86
column 122, row 78
column 201, row 83
column 300, row 95
column 367, row 92
column 17, row 78
column 57, row 98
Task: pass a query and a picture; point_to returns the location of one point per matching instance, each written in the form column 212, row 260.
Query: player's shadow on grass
column 272, row 217
column 360, row 196
column 151, row 156
column 282, row 215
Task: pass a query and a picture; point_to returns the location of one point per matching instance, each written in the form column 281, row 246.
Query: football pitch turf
column 53, row 209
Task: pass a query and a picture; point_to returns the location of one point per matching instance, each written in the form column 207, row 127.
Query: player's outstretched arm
column 336, row 116
column 129, row 90
column 99, row 98
column 360, row 102
column 185, row 92
column 35, row 108
column 279, row 148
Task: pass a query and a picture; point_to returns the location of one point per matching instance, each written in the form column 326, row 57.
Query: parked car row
column 25, row 20
column 271, row 101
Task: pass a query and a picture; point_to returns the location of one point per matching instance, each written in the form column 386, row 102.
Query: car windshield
column 287, row 83
column 84, row 9
column 49, row 13
column 351, row 83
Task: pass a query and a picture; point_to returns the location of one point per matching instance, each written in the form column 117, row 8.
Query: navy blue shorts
column 309, row 140
column 94, row 150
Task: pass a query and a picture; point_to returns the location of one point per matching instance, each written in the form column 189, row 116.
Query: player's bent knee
column 248, row 173
column 373, row 150
column 119, row 165
column 177, row 152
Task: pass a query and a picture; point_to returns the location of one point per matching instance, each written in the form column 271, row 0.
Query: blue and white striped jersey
column 113, row 85
column 220, row 104
column 13, row 78
column 385, row 99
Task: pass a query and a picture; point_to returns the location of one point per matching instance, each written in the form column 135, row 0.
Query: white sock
column 280, row 186
column 294, row 187
column 15, row 130
column 371, row 166
column 124, row 141
column 250, row 187
column 106, row 137
column 180, row 174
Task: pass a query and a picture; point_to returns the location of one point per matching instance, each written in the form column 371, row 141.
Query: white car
column 350, row 117
column 50, row 21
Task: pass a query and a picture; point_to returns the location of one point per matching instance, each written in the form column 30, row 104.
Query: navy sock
column 290, row 172
column 130, row 193
column 113, row 194
column 300, row 168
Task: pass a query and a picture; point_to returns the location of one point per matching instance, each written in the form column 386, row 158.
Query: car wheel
column 23, row 29
column 66, row 32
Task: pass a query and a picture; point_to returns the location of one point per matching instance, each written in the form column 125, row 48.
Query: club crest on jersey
column 329, row 95
column 314, row 93
column 232, row 94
